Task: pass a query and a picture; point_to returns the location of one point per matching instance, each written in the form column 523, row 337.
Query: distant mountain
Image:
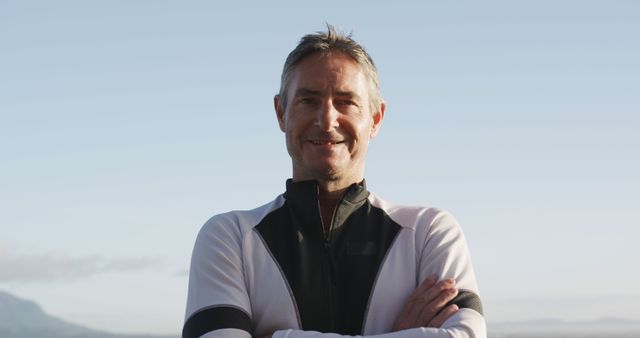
column 21, row 318
column 556, row 325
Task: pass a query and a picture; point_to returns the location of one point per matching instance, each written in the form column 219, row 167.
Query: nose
column 327, row 116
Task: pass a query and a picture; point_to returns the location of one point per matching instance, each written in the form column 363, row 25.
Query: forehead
column 335, row 71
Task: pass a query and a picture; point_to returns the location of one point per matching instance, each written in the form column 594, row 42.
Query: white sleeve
column 421, row 332
column 444, row 251
column 217, row 303
column 445, row 254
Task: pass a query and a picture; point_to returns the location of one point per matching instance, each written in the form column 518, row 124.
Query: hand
column 426, row 305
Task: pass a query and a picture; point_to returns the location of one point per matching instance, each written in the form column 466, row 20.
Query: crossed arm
column 427, row 305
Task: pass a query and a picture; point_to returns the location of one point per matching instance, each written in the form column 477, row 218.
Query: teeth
column 324, row 142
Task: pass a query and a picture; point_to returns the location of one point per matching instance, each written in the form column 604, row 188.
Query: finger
column 416, row 301
column 422, row 308
column 442, row 317
column 409, row 316
column 443, row 298
column 437, row 290
column 432, row 309
column 411, row 310
column 423, row 287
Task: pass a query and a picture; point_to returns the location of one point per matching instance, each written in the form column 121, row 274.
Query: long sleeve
column 217, row 302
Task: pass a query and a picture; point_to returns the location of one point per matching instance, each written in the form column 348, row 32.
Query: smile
column 323, row 142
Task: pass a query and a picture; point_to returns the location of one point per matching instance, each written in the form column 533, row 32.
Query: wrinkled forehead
column 336, row 71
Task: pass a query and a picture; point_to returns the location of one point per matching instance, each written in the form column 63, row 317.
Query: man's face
column 328, row 120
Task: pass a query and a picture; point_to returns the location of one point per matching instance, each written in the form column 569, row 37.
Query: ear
column 377, row 118
column 277, row 105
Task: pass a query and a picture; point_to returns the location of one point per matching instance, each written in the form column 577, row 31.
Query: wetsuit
column 274, row 269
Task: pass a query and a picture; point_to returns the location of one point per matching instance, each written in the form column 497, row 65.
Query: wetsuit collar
column 302, row 198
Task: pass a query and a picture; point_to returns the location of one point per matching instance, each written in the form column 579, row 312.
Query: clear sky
column 125, row 125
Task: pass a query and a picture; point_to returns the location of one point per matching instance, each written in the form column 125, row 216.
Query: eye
column 347, row 102
column 307, row 100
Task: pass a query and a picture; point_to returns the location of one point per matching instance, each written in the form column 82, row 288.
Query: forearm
column 466, row 323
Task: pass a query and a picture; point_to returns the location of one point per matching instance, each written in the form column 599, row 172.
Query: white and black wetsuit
column 274, row 269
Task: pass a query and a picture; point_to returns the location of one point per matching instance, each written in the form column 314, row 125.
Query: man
column 327, row 257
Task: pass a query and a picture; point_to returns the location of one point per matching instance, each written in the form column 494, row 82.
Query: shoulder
column 415, row 217
column 235, row 224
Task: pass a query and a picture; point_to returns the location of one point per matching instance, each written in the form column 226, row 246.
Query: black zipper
column 330, row 286
column 331, row 276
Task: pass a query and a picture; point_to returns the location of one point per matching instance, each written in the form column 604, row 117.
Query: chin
column 325, row 173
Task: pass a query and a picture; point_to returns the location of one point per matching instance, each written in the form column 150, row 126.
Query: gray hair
column 325, row 43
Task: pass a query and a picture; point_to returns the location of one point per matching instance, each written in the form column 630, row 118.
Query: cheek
column 293, row 134
column 361, row 130
column 296, row 126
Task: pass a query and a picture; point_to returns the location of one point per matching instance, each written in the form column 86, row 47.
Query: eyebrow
column 349, row 94
column 311, row 92
column 307, row 91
